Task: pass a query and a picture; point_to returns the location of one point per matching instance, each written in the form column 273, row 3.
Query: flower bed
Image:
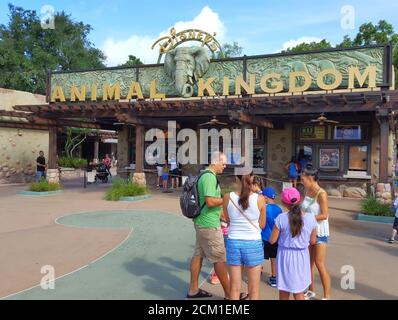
column 125, row 189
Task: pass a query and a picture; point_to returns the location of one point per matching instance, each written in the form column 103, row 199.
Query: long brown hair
column 245, row 190
column 295, row 220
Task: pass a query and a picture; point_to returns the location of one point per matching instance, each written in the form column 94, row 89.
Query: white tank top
column 239, row 227
column 311, row 206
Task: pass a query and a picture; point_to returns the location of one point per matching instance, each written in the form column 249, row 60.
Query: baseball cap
column 290, row 196
column 269, row 193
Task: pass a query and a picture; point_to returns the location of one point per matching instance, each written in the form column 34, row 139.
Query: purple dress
column 293, row 270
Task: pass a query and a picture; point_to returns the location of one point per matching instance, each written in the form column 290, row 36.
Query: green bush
column 373, row 207
column 124, row 188
column 68, row 162
column 43, row 185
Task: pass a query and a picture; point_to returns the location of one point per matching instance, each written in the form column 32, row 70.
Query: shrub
column 68, row 162
column 43, row 186
column 124, row 188
column 373, row 207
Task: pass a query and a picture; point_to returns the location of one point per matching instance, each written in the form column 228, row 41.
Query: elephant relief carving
column 185, row 66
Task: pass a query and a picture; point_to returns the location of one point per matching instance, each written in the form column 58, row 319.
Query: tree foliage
column 131, row 61
column 323, row 44
column 27, row 51
column 229, row 50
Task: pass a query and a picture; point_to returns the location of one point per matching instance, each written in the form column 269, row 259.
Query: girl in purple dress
column 294, row 231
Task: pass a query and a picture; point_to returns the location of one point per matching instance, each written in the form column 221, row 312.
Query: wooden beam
column 128, row 118
column 139, row 148
column 52, row 147
column 243, row 117
column 17, row 125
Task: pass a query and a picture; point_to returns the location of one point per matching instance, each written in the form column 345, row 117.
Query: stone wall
column 19, row 148
column 279, row 151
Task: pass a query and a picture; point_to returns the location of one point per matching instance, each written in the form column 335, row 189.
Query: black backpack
column 189, row 199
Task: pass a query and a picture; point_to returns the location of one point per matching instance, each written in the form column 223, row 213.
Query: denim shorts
column 321, row 240
column 245, row 252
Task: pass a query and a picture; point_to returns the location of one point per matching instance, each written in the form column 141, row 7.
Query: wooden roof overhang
column 157, row 112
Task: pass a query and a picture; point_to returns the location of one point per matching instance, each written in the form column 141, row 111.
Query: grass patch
column 124, row 188
column 68, row 162
column 373, row 207
column 44, row 186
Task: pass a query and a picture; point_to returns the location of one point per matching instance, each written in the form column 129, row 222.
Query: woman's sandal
column 201, row 294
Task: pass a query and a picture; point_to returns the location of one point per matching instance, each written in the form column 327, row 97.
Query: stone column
column 96, row 149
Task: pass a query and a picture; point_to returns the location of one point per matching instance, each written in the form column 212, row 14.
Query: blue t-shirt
column 273, row 210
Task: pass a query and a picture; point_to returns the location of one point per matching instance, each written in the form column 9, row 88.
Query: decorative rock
column 380, row 187
column 334, row 193
column 379, row 194
column 139, row 178
column 53, row 175
column 354, row 192
column 386, row 196
column 387, row 187
column 341, row 188
column 13, row 171
column 5, row 169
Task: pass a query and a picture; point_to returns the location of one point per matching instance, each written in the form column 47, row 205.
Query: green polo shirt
column 208, row 187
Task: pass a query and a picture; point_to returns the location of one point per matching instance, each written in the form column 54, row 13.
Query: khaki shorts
column 210, row 244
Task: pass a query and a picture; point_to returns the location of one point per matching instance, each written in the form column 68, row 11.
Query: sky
column 122, row 27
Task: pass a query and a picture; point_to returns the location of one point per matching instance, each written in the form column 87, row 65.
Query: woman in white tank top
column 316, row 203
column 245, row 213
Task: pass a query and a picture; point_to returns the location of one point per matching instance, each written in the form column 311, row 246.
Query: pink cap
column 290, row 196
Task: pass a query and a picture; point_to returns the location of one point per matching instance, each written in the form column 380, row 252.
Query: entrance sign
column 176, row 38
column 189, row 72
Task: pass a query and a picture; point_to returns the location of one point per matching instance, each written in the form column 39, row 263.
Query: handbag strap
column 243, row 214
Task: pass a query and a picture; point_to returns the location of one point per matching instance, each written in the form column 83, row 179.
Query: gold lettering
column 202, row 86
column 111, row 92
column 75, row 93
column 182, row 36
column 275, row 86
column 354, row 73
column 225, row 89
column 93, row 92
column 152, row 91
column 135, row 91
column 191, row 34
column 208, row 38
column 320, row 80
column 58, row 94
column 241, row 84
column 292, row 81
column 199, row 36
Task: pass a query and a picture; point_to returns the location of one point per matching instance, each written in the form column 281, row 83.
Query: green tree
column 27, row 51
column 323, row 44
column 229, row 50
column 131, row 61
column 369, row 34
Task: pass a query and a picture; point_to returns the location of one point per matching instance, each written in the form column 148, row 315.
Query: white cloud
column 292, row 43
column 117, row 51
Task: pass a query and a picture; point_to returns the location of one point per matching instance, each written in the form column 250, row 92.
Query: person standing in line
column 209, row 238
column 174, row 172
column 292, row 171
column 41, row 167
column 294, row 231
column 245, row 212
column 395, row 224
column 316, row 203
column 270, row 250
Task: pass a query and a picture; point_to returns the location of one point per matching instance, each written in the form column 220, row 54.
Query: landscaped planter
column 379, row 219
column 39, row 194
column 135, row 198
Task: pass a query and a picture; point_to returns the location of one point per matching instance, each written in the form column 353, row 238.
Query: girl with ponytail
column 294, row 231
column 244, row 210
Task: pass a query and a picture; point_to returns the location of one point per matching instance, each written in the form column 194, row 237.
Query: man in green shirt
column 209, row 238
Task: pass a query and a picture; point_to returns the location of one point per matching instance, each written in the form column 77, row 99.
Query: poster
column 347, row 132
column 312, row 133
column 329, row 158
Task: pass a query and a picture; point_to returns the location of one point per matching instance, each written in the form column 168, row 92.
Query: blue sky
column 124, row 27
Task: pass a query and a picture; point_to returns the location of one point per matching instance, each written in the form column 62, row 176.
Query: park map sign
column 188, row 72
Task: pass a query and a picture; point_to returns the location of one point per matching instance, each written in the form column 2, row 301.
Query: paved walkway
column 152, row 260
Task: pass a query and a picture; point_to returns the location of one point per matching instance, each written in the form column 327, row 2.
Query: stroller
column 102, row 174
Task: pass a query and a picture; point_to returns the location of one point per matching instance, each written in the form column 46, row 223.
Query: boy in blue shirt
column 270, row 250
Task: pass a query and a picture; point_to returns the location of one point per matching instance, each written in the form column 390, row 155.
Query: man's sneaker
column 272, row 281
column 214, row 279
column 308, row 295
column 391, row 240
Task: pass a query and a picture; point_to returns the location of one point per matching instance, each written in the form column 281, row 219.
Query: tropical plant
column 124, row 188
column 44, row 186
column 372, row 206
column 72, row 162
